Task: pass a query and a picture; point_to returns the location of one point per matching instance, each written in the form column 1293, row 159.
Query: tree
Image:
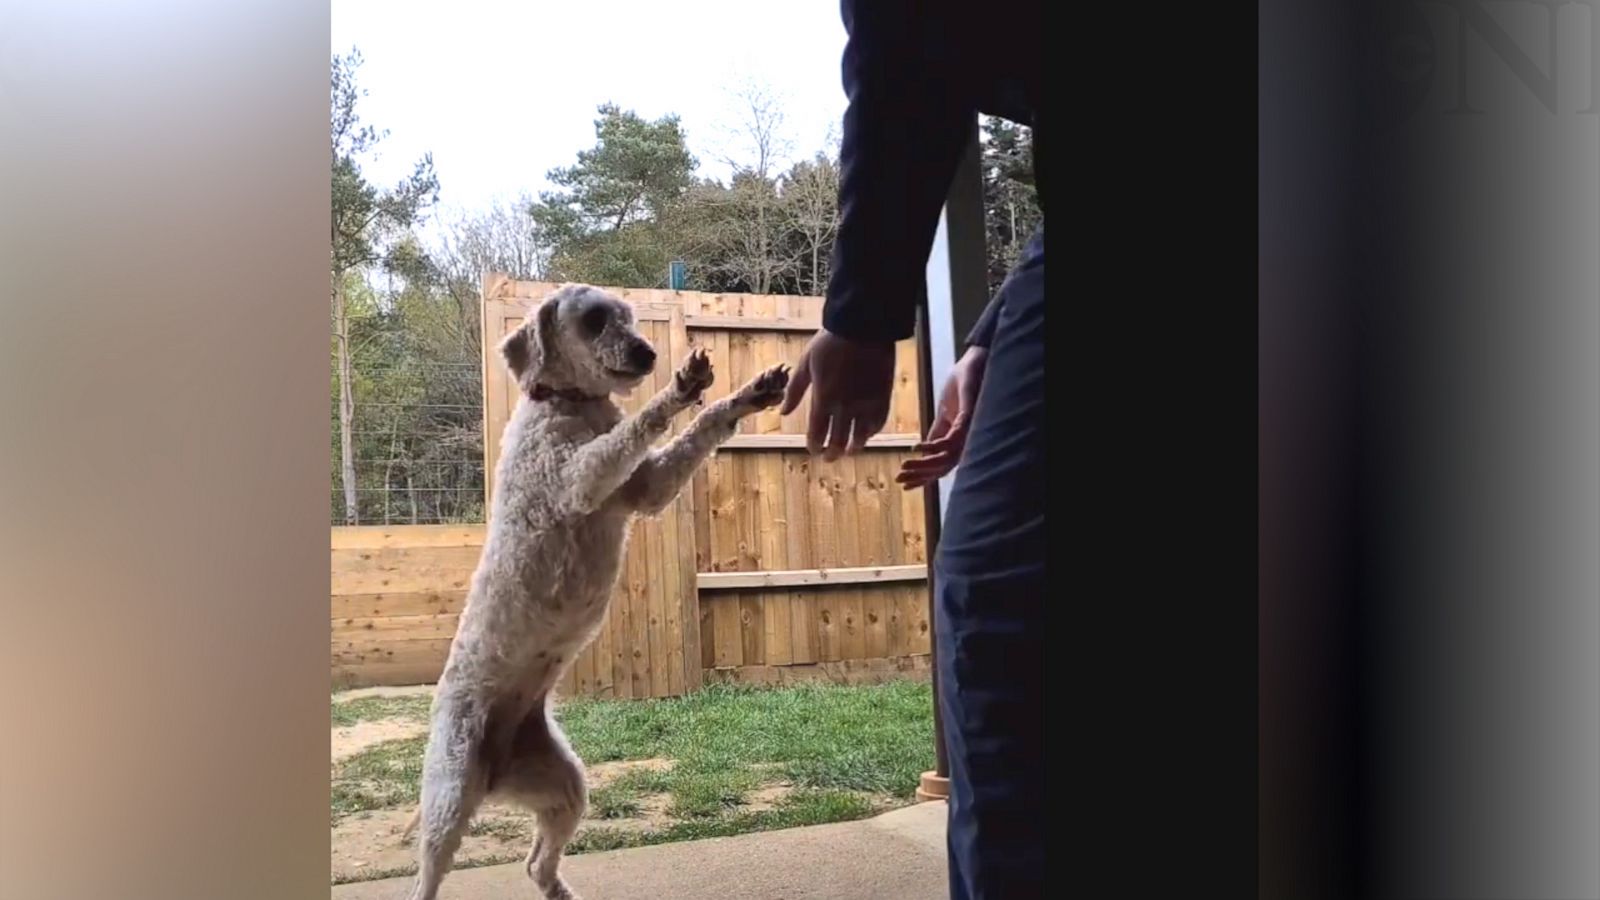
column 631, row 204
column 811, row 207
column 365, row 220
column 634, row 171
column 754, row 131
column 1010, row 198
column 503, row 238
column 735, row 234
column 743, row 227
column 430, row 379
column 604, row 223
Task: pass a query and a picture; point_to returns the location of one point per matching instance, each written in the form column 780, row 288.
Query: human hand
column 941, row 450
column 853, row 381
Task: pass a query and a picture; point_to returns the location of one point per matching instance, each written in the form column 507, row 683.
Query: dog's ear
column 525, row 349
column 517, row 350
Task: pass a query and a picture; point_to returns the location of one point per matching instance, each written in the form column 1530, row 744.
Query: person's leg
column 989, row 618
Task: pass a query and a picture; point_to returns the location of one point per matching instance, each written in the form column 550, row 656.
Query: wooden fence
column 772, row 566
column 397, row 592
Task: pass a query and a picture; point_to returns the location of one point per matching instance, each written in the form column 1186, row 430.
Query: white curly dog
column 572, row 473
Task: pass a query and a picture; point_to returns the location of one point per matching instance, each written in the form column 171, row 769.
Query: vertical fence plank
column 801, row 554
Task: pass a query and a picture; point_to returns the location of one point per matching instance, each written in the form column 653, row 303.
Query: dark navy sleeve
column 905, row 129
column 983, row 332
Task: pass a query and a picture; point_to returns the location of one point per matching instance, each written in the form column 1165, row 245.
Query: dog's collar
column 542, row 392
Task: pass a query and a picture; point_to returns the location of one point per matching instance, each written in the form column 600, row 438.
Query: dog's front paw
column 693, row 377
column 765, row 390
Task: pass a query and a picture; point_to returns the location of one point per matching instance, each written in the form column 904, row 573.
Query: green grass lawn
column 367, row 709
column 824, row 753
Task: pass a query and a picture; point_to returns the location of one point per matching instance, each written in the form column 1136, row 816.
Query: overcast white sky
column 502, row 92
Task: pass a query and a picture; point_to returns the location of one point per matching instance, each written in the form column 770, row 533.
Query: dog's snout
column 642, row 356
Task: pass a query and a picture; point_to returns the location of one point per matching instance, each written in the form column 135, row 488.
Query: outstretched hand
column 852, row 383
column 941, row 450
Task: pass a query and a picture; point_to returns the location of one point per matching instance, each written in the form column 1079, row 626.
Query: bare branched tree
column 739, row 229
column 811, row 207
column 502, row 238
column 756, row 139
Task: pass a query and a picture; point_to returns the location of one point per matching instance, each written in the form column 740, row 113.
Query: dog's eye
column 594, row 321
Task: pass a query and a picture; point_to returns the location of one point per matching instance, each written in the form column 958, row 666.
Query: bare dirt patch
column 358, row 693
column 352, row 739
column 767, row 797
column 652, row 815
column 369, row 842
column 602, row 774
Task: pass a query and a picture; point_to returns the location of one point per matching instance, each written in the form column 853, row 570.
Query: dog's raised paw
column 694, row 376
column 766, row 390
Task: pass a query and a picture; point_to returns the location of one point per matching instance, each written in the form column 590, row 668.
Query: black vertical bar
column 930, row 527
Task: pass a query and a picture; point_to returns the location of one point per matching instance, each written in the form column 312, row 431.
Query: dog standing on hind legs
column 573, row 472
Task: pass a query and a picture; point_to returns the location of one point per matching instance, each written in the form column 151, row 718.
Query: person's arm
column 905, row 129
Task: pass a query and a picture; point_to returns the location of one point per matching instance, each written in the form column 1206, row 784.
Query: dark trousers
column 989, row 614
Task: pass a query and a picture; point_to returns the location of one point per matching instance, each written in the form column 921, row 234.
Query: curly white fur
column 572, row 473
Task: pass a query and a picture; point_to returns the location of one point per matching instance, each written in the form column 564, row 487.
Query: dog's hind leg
column 557, row 824
column 453, row 784
column 546, row 777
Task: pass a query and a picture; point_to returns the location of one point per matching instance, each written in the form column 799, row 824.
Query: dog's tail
column 405, row 836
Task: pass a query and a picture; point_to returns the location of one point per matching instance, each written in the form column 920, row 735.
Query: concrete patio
column 896, row 856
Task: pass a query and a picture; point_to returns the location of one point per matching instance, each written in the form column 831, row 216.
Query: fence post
column 958, row 289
